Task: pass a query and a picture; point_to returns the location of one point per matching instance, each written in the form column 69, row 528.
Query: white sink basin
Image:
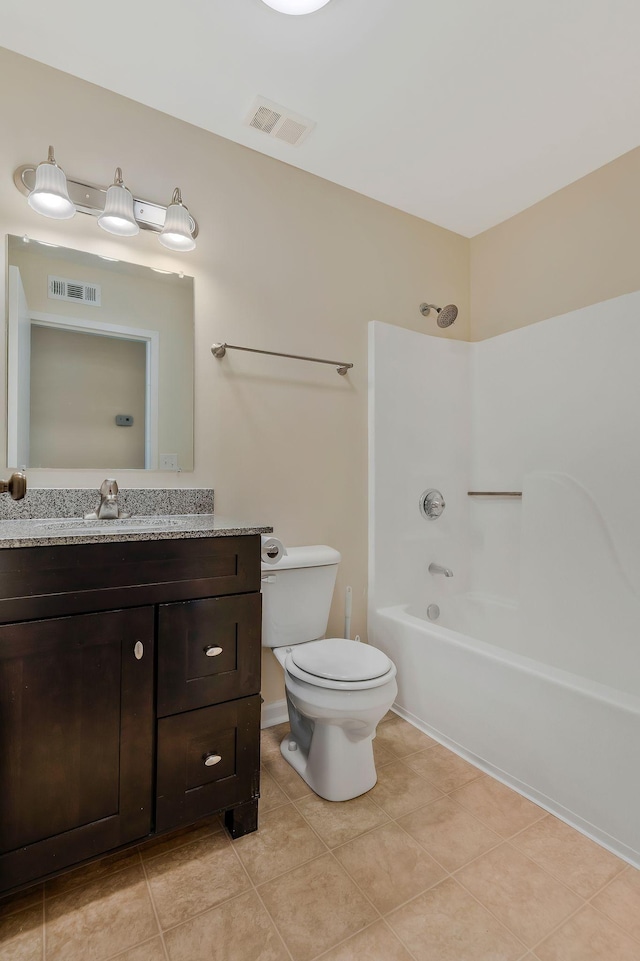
column 74, row 526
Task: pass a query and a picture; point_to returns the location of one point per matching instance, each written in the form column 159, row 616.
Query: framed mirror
column 100, row 361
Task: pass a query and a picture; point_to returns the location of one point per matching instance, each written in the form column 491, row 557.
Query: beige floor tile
column 443, row 768
column 154, row 847
column 575, row 860
column 238, row 930
column 100, row 919
column 449, row 833
column 389, row 866
column 149, row 951
column 328, row 907
column 400, row 790
column 497, row 806
column 196, row 876
column 588, row 936
column 271, row 737
column 447, row 924
column 92, row 872
column 337, row 822
column 21, row 935
column 13, row 903
column 522, row 895
column 401, row 738
column 620, row 901
column 282, row 842
column 376, row 943
column 288, row 779
column 271, row 796
column 381, row 755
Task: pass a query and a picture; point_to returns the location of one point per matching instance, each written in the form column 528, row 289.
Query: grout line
column 505, row 925
column 272, row 920
column 254, row 888
column 611, row 921
column 153, row 906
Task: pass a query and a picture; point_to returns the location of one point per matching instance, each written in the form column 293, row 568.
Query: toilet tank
column 296, row 595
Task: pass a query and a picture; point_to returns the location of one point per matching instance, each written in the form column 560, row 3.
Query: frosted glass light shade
column 50, row 196
column 296, row 7
column 176, row 233
column 118, row 217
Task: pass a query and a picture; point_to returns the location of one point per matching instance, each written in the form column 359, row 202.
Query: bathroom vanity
column 129, row 690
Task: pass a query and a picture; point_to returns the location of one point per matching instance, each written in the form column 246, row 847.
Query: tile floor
column 437, row 863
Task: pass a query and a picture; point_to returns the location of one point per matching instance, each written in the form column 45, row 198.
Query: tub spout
column 439, row 569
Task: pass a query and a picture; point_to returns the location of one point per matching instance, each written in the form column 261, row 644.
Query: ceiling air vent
column 76, row 291
column 279, row 122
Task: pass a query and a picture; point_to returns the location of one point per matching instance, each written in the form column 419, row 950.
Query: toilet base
column 352, row 771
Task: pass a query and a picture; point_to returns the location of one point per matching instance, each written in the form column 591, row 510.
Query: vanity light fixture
column 176, row 233
column 117, row 216
column 51, row 193
column 296, row 7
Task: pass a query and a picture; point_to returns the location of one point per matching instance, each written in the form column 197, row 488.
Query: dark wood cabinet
column 92, row 754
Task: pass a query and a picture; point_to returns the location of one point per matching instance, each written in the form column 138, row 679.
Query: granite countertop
column 46, row 532
column 48, row 516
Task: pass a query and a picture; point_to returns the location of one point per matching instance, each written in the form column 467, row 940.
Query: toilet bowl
column 337, row 690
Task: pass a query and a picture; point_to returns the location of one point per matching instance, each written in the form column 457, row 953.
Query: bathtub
column 566, row 741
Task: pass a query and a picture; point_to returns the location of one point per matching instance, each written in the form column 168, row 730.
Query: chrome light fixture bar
column 89, row 198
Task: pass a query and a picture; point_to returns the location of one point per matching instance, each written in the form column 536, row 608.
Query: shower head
column 446, row 315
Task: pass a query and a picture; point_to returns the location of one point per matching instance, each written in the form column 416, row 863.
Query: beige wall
column 285, row 261
column 577, row 247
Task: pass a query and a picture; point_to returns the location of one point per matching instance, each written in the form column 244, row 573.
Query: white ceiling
column 459, row 111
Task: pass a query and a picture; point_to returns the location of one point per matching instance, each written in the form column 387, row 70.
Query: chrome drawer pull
column 212, row 651
column 138, row 650
column 211, row 759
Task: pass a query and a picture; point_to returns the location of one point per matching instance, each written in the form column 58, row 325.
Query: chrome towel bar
column 219, row 350
column 494, row 493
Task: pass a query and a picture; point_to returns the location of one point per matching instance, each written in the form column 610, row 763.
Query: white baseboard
column 274, row 713
column 553, row 807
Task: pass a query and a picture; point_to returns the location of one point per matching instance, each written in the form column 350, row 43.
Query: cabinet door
column 76, row 739
column 207, row 760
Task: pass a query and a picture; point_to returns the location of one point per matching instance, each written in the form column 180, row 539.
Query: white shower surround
column 533, row 669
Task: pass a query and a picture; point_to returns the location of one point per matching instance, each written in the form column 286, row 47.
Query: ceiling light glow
column 296, row 7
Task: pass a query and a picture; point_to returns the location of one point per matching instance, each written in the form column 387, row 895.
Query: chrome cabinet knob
column 212, row 651
column 211, row 759
column 138, row 650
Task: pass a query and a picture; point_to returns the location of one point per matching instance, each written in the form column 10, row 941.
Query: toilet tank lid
column 317, row 555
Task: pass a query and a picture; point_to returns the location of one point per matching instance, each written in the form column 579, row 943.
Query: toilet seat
column 339, row 664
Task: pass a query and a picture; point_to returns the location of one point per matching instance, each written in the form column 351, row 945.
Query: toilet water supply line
column 347, row 612
column 347, row 615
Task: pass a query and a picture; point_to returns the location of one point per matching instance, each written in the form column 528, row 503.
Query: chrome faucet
column 108, row 508
column 439, row 569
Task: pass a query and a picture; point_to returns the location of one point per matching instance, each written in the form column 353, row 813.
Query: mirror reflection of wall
column 100, row 362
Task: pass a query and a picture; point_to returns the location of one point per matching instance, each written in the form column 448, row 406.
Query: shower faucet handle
column 432, row 504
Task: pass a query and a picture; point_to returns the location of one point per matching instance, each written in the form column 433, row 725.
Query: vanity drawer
column 227, row 737
column 208, row 651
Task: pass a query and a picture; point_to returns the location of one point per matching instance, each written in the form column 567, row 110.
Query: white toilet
column 337, row 689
